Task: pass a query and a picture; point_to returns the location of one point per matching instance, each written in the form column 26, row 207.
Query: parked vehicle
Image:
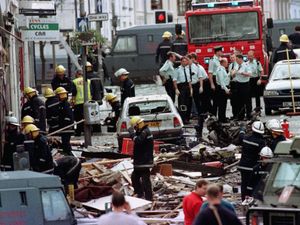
column 277, row 94
column 28, row 197
column 159, row 114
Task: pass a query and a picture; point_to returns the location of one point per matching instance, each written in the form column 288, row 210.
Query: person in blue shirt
column 226, row 204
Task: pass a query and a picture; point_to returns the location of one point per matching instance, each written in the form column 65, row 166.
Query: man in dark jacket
column 180, row 47
column 39, row 152
column 280, row 52
column 52, row 110
column 60, row 79
column 251, row 147
column 295, row 37
column 96, row 84
column 142, row 157
column 35, row 107
column 112, row 120
column 127, row 89
column 163, row 48
column 65, row 119
column 13, row 138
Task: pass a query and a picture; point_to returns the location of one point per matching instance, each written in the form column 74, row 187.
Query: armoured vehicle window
column 126, row 44
column 287, row 174
column 54, row 205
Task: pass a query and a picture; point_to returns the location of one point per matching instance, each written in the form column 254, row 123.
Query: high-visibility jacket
column 78, row 90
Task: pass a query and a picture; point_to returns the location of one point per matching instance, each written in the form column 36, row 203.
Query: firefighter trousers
column 78, row 115
column 141, row 183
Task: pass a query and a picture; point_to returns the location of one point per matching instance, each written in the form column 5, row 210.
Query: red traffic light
column 160, row 17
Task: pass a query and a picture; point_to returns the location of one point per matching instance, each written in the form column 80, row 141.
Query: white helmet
column 121, row 72
column 266, row 152
column 258, row 127
column 274, row 125
column 12, row 120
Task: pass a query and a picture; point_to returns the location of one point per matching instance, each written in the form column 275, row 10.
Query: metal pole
column 53, row 57
column 69, row 59
column 76, row 13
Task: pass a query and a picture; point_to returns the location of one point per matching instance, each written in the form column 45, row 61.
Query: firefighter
column 96, row 87
column 65, row 119
column 142, row 157
column 13, row 139
column 163, row 48
column 112, row 120
column 39, row 152
column 276, row 131
column 183, row 89
column 167, row 73
column 214, row 63
column 242, row 77
column 78, row 99
column 26, row 121
column 52, row 110
column 37, row 108
column 256, row 69
column 179, row 46
column 127, row 89
column 295, row 37
column 232, row 68
column 280, row 52
column 60, row 79
column 251, row 146
column 222, row 89
column 260, row 170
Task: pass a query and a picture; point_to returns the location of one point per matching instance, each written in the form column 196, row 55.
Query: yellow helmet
column 29, row 90
column 167, row 34
column 284, row 38
column 60, row 90
column 60, row 69
column 110, row 97
column 27, row 119
column 137, row 121
column 31, row 128
column 49, row 93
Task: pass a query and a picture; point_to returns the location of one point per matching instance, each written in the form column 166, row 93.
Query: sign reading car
column 41, row 30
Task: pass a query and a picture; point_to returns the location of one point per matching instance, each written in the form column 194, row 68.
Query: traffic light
column 160, row 17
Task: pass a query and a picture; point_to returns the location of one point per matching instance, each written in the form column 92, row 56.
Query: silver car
column 158, row 112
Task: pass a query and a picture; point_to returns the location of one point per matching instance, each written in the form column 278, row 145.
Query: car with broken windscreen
column 158, row 112
column 277, row 94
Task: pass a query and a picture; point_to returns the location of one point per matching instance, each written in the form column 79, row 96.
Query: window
column 125, row 44
column 150, row 38
column 281, row 72
column 182, row 7
column 156, row 4
column 54, row 205
column 150, row 107
column 287, row 174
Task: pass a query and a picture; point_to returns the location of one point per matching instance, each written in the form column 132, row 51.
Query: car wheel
column 268, row 111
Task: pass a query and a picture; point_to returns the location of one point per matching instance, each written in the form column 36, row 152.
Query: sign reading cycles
column 41, row 30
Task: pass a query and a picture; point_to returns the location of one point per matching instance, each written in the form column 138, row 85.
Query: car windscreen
column 287, row 174
column 223, row 27
column 148, row 107
column 281, row 71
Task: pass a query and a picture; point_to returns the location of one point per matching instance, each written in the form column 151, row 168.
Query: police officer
column 255, row 70
column 179, row 46
column 111, row 121
column 65, row 119
column 280, row 52
column 295, row 37
column 142, row 157
column 60, row 79
column 167, row 73
column 37, row 108
column 214, row 63
column 13, row 138
column 232, row 68
column 127, row 89
column 163, row 48
column 40, row 154
column 251, row 146
column 242, row 77
column 222, row 90
column 52, row 110
column 96, row 87
column 276, row 131
column 183, row 89
column 78, row 99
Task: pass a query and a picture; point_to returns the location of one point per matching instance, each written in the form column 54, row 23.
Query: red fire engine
column 235, row 25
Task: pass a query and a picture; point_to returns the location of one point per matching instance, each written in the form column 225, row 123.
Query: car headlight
column 269, row 93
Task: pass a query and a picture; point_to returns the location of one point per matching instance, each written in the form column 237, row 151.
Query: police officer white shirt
column 167, row 70
column 240, row 77
column 214, row 63
column 222, row 78
column 197, row 73
column 234, row 66
column 255, row 68
column 182, row 75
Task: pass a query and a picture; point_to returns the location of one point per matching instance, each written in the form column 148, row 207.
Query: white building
column 295, row 9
